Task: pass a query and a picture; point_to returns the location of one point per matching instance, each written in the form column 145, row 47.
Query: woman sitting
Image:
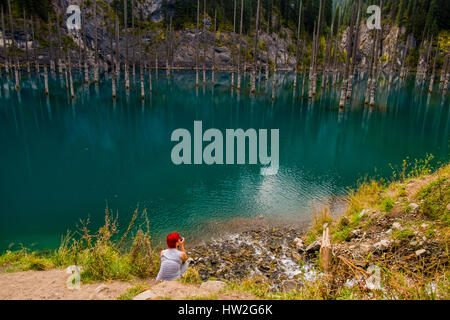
column 173, row 261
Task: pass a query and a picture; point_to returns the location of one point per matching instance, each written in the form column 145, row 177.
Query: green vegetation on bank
column 103, row 255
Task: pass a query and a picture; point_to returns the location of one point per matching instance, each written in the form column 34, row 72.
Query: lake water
column 62, row 160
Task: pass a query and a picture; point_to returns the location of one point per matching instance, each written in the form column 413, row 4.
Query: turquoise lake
column 62, row 160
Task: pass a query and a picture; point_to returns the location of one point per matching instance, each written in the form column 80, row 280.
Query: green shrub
column 191, row 276
column 133, row 292
column 387, row 204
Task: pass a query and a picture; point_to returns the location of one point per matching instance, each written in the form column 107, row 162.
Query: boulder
column 298, row 244
column 315, row 246
column 414, row 207
column 396, row 225
column 356, row 232
column 289, row 285
column 101, row 288
column 383, row 245
column 146, row 295
column 213, row 287
column 420, row 252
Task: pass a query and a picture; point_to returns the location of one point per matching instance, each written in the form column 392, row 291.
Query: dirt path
column 51, row 285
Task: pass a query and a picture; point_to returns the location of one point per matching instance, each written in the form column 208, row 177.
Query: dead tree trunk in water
column 13, row 42
column 125, row 14
column 393, row 57
column 443, row 70
column 375, row 61
column 234, row 39
column 214, row 49
column 96, row 43
column 45, row 79
column 354, row 52
column 197, row 40
column 347, row 62
column 328, row 52
column 117, row 49
column 317, row 46
column 240, row 45
column 132, row 28
column 298, row 43
column 4, row 43
column 336, row 47
column 113, row 72
column 204, row 42
column 58, row 30
column 311, row 65
column 433, row 73
column 167, row 52
column 86, row 68
column 36, row 63
column 404, row 56
column 26, row 41
column 255, row 53
column 141, row 71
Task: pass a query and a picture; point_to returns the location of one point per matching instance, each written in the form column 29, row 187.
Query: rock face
column 184, row 44
column 388, row 36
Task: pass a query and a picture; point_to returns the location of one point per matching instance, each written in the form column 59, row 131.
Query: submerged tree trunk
column 58, row 30
column 117, row 49
column 141, row 71
column 13, row 42
column 86, row 68
column 26, row 41
column 214, row 49
column 72, row 93
column 298, row 43
column 433, row 73
column 113, row 72
column 204, row 42
column 96, row 42
column 125, row 22
column 4, row 44
column 354, row 52
column 393, row 57
column 255, row 53
column 239, row 46
column 197, row 40
column 347, row 62
column 375, row 64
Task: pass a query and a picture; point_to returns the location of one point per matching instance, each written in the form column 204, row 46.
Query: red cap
column 172, row 240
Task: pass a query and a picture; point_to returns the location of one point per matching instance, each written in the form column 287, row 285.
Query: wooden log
column 325, row 254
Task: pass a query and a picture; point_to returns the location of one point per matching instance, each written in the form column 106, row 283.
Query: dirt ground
column 51, row 285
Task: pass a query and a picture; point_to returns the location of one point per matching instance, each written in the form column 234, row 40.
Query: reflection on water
column 62, row 159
